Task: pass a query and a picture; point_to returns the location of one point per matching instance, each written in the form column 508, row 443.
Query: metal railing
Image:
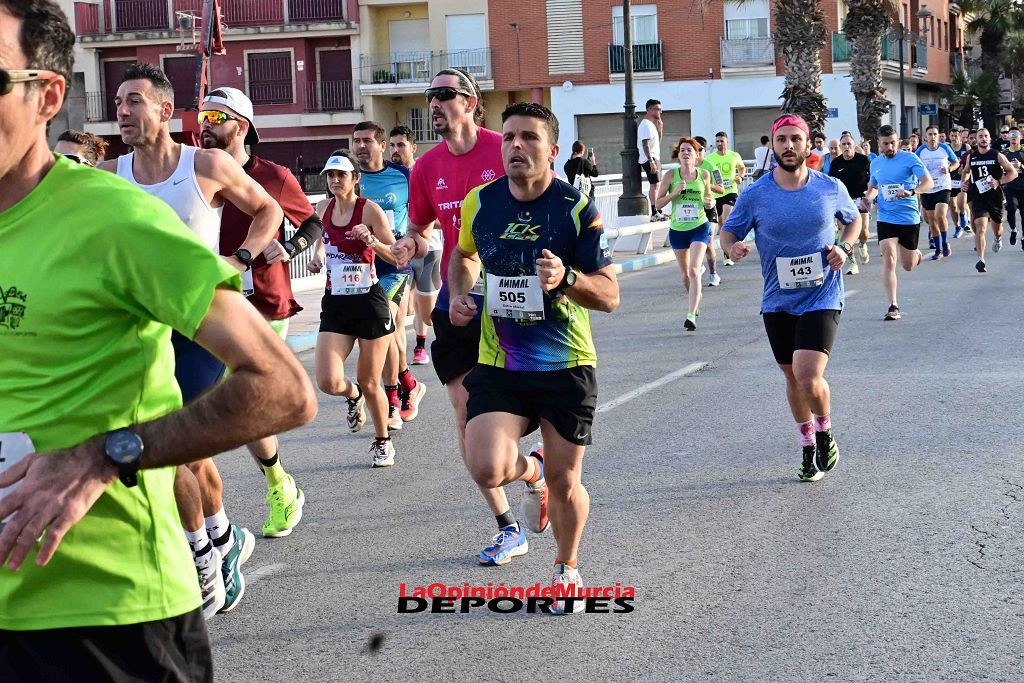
column 741, row 52
column 841, row 48
column 420, row 66
column 134, row 16
column 647, row 57
column 272, row 92
column 99, row 107
column 87, row 18
column 325, row 96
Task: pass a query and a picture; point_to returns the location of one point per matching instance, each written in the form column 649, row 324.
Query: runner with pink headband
column 791, row 120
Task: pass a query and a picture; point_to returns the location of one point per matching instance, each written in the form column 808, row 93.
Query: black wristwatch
column 569, row 279
column 848, row 248
column 245, row 256
column 123, row 448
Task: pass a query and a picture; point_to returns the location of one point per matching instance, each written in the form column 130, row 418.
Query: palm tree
column 966, row 95
column 992, row 21
column 800, row 35
column 865, row 28
column 1015, row 66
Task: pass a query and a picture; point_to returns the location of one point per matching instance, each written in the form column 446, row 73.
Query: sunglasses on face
column 215, row 117
column 444, row 94
column 78, row 160
column 8, row 77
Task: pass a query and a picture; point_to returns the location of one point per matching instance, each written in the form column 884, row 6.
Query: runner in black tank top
column 958, row 199
column 354, row 307
column 1014, row 190
column 988, row 170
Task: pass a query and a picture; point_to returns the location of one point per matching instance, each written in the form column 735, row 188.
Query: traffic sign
column 931, row 109
column 833, row 112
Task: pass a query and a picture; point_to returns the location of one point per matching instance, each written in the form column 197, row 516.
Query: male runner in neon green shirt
column 729, row 166
column 95, row 274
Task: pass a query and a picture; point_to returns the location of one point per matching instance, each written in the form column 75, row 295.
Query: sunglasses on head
column 78, row 160
column 215, row 117
column 444, row 94
column 8, row 77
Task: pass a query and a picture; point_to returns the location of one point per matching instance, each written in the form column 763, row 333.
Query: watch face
column 244, row 255
column 124, row 447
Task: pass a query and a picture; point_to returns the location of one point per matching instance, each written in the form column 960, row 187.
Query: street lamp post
column 632, row 202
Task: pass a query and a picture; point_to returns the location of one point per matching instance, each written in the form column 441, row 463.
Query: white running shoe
column 394, row 419
column 714, row 280
column 356, row 413
column 565, row 578
column 211, row 583
column 998, row 245
column 865, row 257
column 383, row 453
column 853, row 269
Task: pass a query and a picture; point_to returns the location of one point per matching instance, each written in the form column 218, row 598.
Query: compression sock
column 273, row 470
column 219, row 528
column 943, row 240
column 505, row 519
column 822, row 423
column 406, row 380
column 806, row 433
column 199, row 541
column 421, row 342
column 391, row 391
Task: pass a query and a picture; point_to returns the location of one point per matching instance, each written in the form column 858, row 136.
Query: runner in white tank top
column 195, row 183
column 181, row 191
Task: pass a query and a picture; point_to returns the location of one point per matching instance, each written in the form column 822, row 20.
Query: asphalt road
column 902, row 564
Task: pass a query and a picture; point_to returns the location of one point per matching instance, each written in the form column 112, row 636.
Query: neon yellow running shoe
column 285, row 500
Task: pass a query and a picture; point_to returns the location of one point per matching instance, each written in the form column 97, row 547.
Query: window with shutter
column 565, row 37
column 270, row 78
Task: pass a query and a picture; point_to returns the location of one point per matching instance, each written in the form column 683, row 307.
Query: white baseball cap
column 235, row 100
column 338, row 163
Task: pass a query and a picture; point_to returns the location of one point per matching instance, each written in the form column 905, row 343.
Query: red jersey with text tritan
column 441, row 180
column 271, row 284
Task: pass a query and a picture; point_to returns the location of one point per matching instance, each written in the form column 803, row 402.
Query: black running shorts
column 812, row 331
column 565, row 398
column 363, row 316
column 729, row 199
column 989, row 204
column 930, row 200
column 175, row 649
column 907, row 235
column 455, row 350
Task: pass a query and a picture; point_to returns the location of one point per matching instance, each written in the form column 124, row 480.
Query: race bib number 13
column 798, row 272
column 519, row 298
column 14, row 447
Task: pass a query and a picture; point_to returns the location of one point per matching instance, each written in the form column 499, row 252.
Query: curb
column 304, row 342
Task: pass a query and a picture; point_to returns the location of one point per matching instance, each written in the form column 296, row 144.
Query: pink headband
column 791, row 120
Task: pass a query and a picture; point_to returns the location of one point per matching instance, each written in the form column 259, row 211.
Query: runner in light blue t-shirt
column 794, row 212
column 897, row 178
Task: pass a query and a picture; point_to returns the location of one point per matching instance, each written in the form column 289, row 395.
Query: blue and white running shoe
column 508, row 543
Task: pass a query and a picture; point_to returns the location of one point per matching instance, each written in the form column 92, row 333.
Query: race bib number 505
column 798, row 272
column 519, row 298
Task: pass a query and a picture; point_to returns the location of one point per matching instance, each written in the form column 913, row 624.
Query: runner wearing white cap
column 226, row 122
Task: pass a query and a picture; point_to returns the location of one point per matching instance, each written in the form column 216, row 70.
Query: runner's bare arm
column 732, row 245
column 414, row 244
column 598, row 291
column 741, row 170
column 463, row 271
column 1009, row 172
column 108, row 165
column 232, row 184
column 664, row 197
column 376, row 223
column 58, row 488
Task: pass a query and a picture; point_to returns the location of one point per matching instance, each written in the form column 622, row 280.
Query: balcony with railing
column 647, row 58
column 327, row 96
column 915, row 50
column 746, row 53
column 396, row 71
column 146, row 16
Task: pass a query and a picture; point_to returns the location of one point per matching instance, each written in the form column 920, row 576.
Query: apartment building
column 294, row 58
column 713, row 65
column 404, row 43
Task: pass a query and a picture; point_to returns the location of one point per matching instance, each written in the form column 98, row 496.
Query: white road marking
column 852, row 292
column 263, row 572
column 650, row 386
